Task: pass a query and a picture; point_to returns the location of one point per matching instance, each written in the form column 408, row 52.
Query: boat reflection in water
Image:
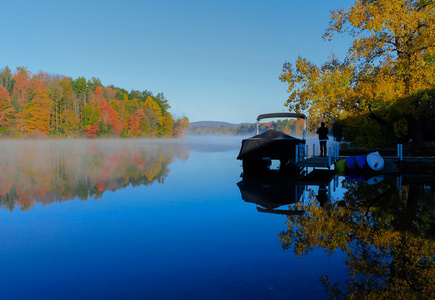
column 271, row 189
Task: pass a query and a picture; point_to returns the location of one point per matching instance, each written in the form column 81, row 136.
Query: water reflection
column 384, row 225
column 386, row 230
column 54, row 171
column 270, row 190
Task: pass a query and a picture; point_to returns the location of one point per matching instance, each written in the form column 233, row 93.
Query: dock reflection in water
column 271, row 189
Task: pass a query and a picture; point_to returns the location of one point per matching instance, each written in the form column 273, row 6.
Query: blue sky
column 213, row 60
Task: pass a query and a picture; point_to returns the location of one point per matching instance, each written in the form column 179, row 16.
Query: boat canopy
column 272, row 144
column 281, row 115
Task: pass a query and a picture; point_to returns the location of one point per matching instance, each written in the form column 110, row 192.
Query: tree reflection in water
column 54, row 171
column 387, row 236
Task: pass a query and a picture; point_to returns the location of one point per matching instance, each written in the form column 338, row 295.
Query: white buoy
column 375, row 161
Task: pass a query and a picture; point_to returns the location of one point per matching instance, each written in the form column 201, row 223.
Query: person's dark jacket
column 323, row 133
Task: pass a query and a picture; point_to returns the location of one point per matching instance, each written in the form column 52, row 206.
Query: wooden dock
column 405, row 163
column 304, row 160
column 317, row 162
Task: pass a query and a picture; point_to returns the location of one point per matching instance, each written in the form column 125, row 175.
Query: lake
column 175, row 219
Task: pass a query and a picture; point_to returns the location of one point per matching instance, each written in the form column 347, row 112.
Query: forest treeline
column 35, row 105
column 291, row 127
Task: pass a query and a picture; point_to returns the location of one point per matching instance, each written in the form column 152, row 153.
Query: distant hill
column 211, row 124
column 224, row 128
column 219, row 128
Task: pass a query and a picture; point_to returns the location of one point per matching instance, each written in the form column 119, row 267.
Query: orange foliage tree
column 22, row 85
column 6, row 110
column 180, row 127
column 35, row 115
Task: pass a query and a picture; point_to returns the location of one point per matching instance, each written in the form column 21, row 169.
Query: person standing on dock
column 323, row 137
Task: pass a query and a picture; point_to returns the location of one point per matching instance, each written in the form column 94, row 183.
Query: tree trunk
column 417, row 137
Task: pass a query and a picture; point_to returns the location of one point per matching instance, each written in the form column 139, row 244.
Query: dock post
column 314, row 149
column 329, row 192
column 400, row 152
column 329, row 155
column 297, row 154
column 400, row 155
column 399, row 182
column 306, row 151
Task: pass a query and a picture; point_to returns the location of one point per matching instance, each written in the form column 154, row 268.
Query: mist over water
column 37, row 171
column 46, row 171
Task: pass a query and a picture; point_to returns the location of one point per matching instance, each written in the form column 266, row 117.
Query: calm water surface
column 175, row 220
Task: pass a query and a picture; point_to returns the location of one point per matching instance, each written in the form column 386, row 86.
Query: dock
column 305, row 161
column 406, row 164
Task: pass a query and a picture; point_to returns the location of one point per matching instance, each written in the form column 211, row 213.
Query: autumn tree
column 6, row 110
column 69, row 115
column 133, row 128
column 120, row 106
column 153, row 116
column 180, row 126
column 89, row 120
column 162, row 102
column 166, row 128
column 22, row 85
column 80, row 88
column 391, row 58
column 6, row 79
column 35, row 115
column 109, row 118
column 70, row 125
column 94, row 83
column 54, row 91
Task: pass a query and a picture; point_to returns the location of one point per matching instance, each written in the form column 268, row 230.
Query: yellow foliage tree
column 166, row 130
column 391, row 58
column 153, row 114
column 35, row 116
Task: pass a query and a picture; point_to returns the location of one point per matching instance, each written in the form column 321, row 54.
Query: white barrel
column 375, row 161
